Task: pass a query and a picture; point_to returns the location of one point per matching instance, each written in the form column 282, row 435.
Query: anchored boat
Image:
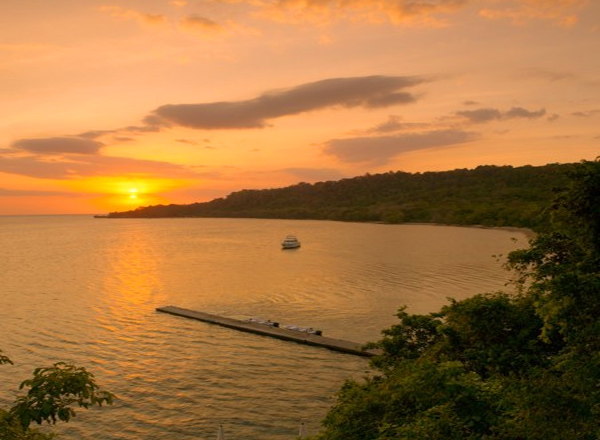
column 290, row 242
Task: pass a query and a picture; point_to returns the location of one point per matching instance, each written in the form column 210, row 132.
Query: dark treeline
column 486, row 195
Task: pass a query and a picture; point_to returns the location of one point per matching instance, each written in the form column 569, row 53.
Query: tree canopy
column 497, row 366
column 52, row 395
column 486, row 195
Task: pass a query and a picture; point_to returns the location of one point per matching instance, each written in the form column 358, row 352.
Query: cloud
column 195, row 22
column 59, row 145
column 94, row 134
column 519, row 112
column 482, row 115
column 132, row 129
column 120, row 133
column 406, row 12
column 422, row 13
column 586, row 114
column 519, row 12
column 380, row 150
column 141, row 17
column 74, row 167
column 367, row 92
column 4, row 192
column 544, row 74
column 394, row 123
column 193, row 142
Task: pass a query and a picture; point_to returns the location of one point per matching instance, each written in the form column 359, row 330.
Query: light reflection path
column 84, row 290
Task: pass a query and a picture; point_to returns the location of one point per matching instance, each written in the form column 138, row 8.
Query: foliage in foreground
column 497, row 366
column 52, row 394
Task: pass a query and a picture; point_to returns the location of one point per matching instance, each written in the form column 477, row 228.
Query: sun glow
column 133, row 193
column 125, row 193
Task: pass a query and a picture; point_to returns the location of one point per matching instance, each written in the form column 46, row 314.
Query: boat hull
column 290, row 242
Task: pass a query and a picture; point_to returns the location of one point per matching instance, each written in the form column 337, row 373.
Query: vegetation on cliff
column 497, row 366
column 486, row 195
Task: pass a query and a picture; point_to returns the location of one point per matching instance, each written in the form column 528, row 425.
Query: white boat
column 290, row 242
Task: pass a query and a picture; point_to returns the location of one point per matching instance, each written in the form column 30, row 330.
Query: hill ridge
column 487, row 195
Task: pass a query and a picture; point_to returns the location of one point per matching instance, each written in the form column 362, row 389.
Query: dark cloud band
column 74, row 167
column 492, row 114
column 380, row 150
column 59, row 145
column 367, row 92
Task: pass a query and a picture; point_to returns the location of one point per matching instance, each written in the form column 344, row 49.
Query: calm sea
column 84, row 290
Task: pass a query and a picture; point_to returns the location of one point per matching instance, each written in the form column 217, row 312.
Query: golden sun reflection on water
column 132, row 280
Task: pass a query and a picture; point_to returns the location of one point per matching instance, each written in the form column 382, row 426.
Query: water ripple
column 85, row 291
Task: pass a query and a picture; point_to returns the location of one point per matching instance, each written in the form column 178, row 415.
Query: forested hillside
column 486, row 195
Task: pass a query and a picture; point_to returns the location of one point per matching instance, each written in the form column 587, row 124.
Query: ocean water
column 85, row 290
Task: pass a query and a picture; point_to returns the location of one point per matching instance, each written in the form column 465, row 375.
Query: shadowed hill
column 486, row 195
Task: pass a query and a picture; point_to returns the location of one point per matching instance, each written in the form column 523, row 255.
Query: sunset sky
column 109, row 105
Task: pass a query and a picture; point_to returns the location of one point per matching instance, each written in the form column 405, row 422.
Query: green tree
column 419, row 399
column 561, row 268
column 52, row 395
column 523, row 366
column 561, row 272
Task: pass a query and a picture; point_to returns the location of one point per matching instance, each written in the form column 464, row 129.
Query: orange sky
column 106, row 106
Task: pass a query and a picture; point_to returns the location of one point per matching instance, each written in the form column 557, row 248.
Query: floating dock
column 274, row 332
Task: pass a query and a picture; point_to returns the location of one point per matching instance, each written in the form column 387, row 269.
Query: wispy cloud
column 519, row 12
column 59, row 145
column 482, row 115
column 408, row 12
column 120, row 133
column 430, row 13
column 394, row 124
column 586, row 113
column 536, row 73
column 366, row 92
column 198, row 23
column 5, row 192
column 77, row 166
column 204, row 142
column 192, row 22
column 141, row 17
column 413, row 13
column 380, row 150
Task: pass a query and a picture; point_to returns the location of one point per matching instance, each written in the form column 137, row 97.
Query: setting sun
column 133, row 193
column 108, row 194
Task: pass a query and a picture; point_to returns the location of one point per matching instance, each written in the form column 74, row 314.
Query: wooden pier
column 274, row 332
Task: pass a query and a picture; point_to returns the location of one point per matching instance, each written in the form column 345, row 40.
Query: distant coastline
column 530, row 233
column 487, row 196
